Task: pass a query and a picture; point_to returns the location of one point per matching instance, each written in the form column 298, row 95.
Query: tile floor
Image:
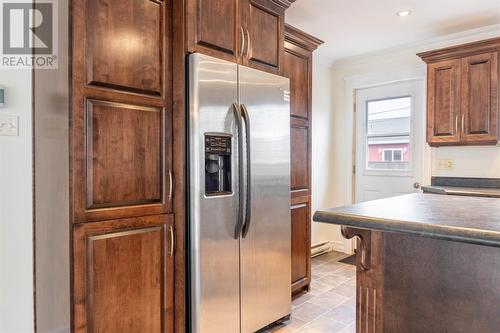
column 330, row 306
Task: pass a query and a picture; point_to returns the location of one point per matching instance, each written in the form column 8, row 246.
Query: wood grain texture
column 264, row 22
column 480, row 98
column 213, row 28
column 440, row 286
column 83, row 34
column 124, row 154
column 297, row 66
column 301, row 39
column 179, row 162
column 121, row 152
column 301, row 239
column 297, row 69
column 123, row 276
column 247, row 32
column 463, row 92
column 300, row 173
column 369, row 287
column 123, row 52
column 443, row 106
column 427, row 286
column 461, row 51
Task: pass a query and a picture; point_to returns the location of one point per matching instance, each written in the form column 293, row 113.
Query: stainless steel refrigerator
column 239, row 197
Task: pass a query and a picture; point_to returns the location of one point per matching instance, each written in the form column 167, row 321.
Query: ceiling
column 355, row 27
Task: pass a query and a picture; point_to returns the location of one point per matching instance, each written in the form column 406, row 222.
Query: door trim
column 356, row 82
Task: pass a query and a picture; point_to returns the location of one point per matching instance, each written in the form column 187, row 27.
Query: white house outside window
column 393, row 155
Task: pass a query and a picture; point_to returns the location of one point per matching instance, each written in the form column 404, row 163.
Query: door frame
column 356, row 82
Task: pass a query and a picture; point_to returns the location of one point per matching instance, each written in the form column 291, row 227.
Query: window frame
column 389, row 172
column 392, row 150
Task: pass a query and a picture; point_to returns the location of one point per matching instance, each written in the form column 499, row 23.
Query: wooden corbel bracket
column 364, row 237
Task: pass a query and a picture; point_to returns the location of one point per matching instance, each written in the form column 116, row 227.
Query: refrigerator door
column 266, row 248
column 214, row 251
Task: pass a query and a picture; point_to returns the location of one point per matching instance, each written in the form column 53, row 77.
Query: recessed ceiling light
column 404, row 12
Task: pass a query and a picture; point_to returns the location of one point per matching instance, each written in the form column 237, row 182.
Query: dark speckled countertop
column 465, row 219
column 467, row 191
column 476, row 187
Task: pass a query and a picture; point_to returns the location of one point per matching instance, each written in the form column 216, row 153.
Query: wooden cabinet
column 298, row 68
column 249, row 32
column 263, row 21
column 480, row 98
column 123, row 275
column 121, row 166
column 462, row 94
column 301, row 244
column 122, row 109
column 218, row 37
column 443, row 96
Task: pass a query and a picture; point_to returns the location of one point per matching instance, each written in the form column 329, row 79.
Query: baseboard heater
column 320, row 249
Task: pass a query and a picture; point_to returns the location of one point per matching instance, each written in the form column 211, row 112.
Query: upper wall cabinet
column 248, row 32
column 213, row 28
column 443, row 102
column 462, row 94
column 480, row 98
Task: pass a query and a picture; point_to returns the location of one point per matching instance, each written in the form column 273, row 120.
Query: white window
column 392, row 155
column 388, row 132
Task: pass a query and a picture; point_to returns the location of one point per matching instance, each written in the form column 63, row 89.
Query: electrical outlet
column 446, row 164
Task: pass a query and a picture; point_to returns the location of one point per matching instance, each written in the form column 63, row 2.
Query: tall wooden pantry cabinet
column 299, row 47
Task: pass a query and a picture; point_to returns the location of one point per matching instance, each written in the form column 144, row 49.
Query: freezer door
column 266, row 249
column 214, row 251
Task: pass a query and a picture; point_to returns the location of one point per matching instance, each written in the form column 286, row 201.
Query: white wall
column 469, row 161
column 482, row 162
column 322, row 140
column 16, row 245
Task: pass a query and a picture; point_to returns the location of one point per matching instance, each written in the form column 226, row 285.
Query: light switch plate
column 446, row 164
column 9, row 125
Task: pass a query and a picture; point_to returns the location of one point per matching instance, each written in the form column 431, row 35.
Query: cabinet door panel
column 123, row 276
column 299, row 160
column 121, row 116
column 122, row 51
column 125, row 162
column 301, row 243
column 443, row 102
column 265, row 25
column 297, row 69
column 480, row 98
column 213, row 28
column 123, row 154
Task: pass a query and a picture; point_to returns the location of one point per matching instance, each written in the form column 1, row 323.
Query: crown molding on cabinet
column 285, row 4
column 301, row 38
column 460, row 51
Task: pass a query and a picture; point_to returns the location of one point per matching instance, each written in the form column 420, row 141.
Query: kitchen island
column 426, row 263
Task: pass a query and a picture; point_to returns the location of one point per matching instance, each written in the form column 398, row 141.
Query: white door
column 390, row 140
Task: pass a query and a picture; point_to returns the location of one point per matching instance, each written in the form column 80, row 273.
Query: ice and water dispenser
column 217, row 164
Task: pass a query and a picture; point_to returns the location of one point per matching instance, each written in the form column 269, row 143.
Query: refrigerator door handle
column 237, row 118
column 248, row 205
